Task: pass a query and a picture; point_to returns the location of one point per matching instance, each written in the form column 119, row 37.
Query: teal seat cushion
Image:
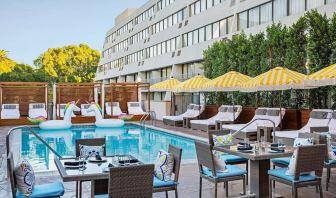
column 281, row 173
column 331, row 162
column 45, row 190
column 159, row 183
column 232, row 171
column 227, row 158
column 101, row 196
column 283, row 160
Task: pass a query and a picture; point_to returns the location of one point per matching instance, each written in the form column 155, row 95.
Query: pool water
column 143, row 144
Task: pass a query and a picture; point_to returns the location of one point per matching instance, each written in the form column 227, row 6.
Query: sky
column 30, row 27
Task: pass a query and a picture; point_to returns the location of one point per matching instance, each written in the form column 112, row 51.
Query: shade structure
column 166, row 85
column 194, row 84
column 324, row 77
column 230, row 81
column 275, row 79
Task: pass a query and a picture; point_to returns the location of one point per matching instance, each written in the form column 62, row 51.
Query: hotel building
column 166, row 38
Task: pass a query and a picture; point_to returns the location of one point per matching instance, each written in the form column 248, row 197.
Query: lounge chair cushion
column 159, row 183
column 333, row 115
column 45, row 190
column 164, row 166
column 281, row 173
column 260, row 111
column 231, row 109
column 228, row 158
column 232, row 170
column 273, row 112
column 24, row 177
column 101, row 196
column 283, row 160
column 10, row 111
column 319, row 114
column 331, row 162
column 222, row 109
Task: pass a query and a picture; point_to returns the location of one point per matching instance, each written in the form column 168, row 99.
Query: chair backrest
column 318, row 139
column 10, row 171
column 212, row 133
column 204, row 156
column 90, row 142
column 177, row 155
column 332, row 124
column 310, row 159
column 10, row 106
column 36, row 106
column 134, row 108
column 131, row 181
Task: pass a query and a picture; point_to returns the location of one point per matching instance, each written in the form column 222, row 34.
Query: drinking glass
column 246, row 142
column 281, row 145
column 81, row 163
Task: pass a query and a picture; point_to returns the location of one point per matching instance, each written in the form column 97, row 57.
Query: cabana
column 17, row 97
column 84, row 92
column 122, row 94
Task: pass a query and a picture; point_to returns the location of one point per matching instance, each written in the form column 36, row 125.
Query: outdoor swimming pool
column 130, row 139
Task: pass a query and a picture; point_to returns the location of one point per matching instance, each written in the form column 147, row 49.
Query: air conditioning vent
column 150, row 18
column 148, row 39
column 145, row 40
column 186, row 22
column 139, row 64
column 179, row 53
column 143, row 62
column 173, row 54
column 180, row 25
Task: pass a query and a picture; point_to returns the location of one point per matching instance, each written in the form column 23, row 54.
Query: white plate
column 273, row 151
column 73, row 167
column 94, row 160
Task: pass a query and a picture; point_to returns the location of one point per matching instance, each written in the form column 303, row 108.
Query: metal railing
column 248, row 124
column 31, row 131
column 151, row 115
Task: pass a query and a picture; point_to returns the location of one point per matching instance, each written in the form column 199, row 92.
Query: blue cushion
column 281, row 173
column 227, row 158
column 101, row 196
column 331, row 162
column 159, row 183
column 283, row 160
column 232, row 171
column 45, row 190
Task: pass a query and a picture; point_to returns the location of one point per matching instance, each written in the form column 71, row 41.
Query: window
column 209, row 3
column 170, row 21
column 296, row 6
column 314, row 3
column 173, row 44
column 230, row 24
column 217, row 2
column 190, row 38
column 266, row 13
column 215, row 28
column 242, row 20
column 175, row 18
column 192, row 9
column 254, row 17
column 179, row 16
column 330, row 1
column 208, row 32
column 280, row 9
column 222, row 27
column 159, row 49
column 185, row 40
column 197, row 7
column 164, row 49
column 203, row 5
column 195, row 36
column 201, row 34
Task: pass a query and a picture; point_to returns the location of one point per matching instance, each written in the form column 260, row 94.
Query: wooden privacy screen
column 23, row 93
column 84, row 92
column 123, row 93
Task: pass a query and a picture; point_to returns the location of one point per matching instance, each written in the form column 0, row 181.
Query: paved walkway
column 189, row 179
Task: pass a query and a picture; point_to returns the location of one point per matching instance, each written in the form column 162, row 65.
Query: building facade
column 166, row 38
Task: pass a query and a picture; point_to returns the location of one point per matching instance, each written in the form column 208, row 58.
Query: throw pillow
column 222, row 140
column 25, row 177
column 91, row 151
column 164, row 165
column 331, row 153
column 220, row 165
column 297, row 143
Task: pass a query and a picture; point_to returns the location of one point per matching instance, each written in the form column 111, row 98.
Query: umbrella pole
column 233, row 106
column 280, row 114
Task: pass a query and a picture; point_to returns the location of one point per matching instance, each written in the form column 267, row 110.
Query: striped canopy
column 194, row 84
column 278, row 78
column 166, row 85
column 230, row 81
column 324, row 77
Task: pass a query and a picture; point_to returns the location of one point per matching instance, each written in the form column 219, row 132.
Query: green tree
column 276, row 47
column 25, row 73
column 332, row 33
column 70, row 63
column 6, row 64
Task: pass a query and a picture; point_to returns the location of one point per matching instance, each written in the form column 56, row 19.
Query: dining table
column 94, row 171
column 259, row 164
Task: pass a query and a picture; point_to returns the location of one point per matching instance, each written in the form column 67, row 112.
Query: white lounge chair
column 116, row 108
column 10, row 111
column 318, row 118
column 134, row 108
column 84, row 112
column 60, row 113
column 332, row 124
column 37, row 109
column 260, row 113
column 193, row 111
column 225, row 113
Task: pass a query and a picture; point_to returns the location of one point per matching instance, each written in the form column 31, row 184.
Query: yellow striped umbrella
column 194, row 84
column 278, row 78
column 166, row 85
column 230, row 81
column 324, row 77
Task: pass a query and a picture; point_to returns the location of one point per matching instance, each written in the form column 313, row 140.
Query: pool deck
column 189, row 177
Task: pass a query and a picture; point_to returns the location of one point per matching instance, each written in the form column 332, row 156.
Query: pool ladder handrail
column 248, row 124
column 30, row 130
column 152, row 117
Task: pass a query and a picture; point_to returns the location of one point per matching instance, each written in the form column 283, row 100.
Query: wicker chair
column 208, row 171
column 130, row 182
column 309, row 159
column 45, row 190
column 228, row 158
column 87, row 142
column 159, row 187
